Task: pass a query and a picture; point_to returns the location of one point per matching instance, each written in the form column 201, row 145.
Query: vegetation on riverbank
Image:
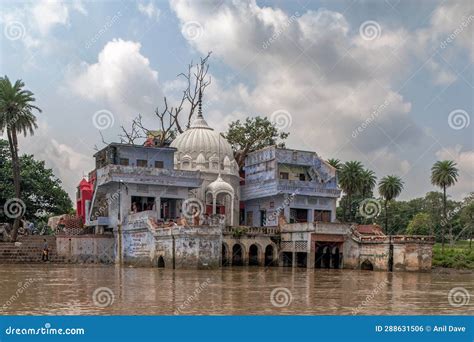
column 459, row 256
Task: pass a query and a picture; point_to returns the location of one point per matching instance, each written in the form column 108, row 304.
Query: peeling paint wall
column 86, row 248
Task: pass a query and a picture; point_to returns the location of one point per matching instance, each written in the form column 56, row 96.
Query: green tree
column 419, row 225
column 467, row 217
column 335, row 163
column 42, row 192
column 16, row 117
column 368, row 181
column 444, row 174
column 390, row 188
column 350, row 183
column 251, row 135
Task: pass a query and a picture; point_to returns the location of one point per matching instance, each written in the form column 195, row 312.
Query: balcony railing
column 150, row 175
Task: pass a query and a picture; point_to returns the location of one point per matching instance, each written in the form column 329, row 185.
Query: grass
column 459, row 256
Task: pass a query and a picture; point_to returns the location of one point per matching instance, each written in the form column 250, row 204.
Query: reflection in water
column 68, row 289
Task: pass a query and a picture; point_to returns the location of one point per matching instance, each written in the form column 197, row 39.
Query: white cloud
column 149, row 10
column 309, row 65
column 67, row 162
column 122, row 79
column 38, row 19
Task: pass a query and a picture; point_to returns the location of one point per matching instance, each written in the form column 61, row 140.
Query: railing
column 250, row 231
column 146, row 174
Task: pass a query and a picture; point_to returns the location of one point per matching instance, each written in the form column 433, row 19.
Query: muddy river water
column 113, row 290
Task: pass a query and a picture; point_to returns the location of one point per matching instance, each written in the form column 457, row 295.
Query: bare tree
column 197, row 80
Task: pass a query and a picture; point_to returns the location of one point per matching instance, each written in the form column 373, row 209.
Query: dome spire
column 200, row 105
column 199, row 121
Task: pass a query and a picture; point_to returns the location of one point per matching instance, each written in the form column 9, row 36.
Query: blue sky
column 389, row 83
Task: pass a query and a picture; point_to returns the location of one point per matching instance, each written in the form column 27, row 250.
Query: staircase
column 30, row 250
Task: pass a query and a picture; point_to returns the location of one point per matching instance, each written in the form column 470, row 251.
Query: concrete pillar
column 214, row 204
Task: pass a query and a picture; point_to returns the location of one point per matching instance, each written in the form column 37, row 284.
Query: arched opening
column 269, row 255
column 237, row 255
column 161, row 262
column 318, row 262
column 336, row 258
column 326, row 257
column 367, row 266
column 253, row 255
column 225, row 261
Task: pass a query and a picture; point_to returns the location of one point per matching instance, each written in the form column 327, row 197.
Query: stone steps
column 30, row 250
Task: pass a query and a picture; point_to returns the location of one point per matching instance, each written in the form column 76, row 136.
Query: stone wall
column 189, row 247
column 86, row 248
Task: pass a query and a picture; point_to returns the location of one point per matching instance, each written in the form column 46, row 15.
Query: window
column 159, row 164
column 123, row 161
column 142, row 163
column 250, row 218
column 322, row 216
column 302, row 177
column 283, row 175
column 263, row 218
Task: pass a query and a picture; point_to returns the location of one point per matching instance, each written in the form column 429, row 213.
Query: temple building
column 201, row 148
column 187, row 205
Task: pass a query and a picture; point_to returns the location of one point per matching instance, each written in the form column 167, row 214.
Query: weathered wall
column 189, row 247
column 86, row 248
column 412, row 255
column 138, row 247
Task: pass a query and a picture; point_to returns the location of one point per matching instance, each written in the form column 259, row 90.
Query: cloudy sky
column 389, row 83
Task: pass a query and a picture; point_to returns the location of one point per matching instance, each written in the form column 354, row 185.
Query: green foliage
column 41, row 190
column 444, row 173
column 253, row 134
column 458, row 256
column 420, row 225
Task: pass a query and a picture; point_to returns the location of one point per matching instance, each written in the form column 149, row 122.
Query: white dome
column 203, row 145
column 220, row 185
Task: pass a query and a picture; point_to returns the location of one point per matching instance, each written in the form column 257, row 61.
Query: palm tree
column 16, row 117
column 368, row 182
column 389, row 188
column 350, row 182
column 335, row 163
column 444, row 174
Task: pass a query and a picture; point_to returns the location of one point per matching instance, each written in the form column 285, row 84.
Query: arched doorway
column 253, row 255
column 161, row 262
column 225, row 261
column 237, row 255
column 318, row 262
column 326, row 257
column 336, row 258
column 367, row 266
column 269, row 255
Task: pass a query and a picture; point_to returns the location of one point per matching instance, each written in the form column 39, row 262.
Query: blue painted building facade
column 299, row 185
